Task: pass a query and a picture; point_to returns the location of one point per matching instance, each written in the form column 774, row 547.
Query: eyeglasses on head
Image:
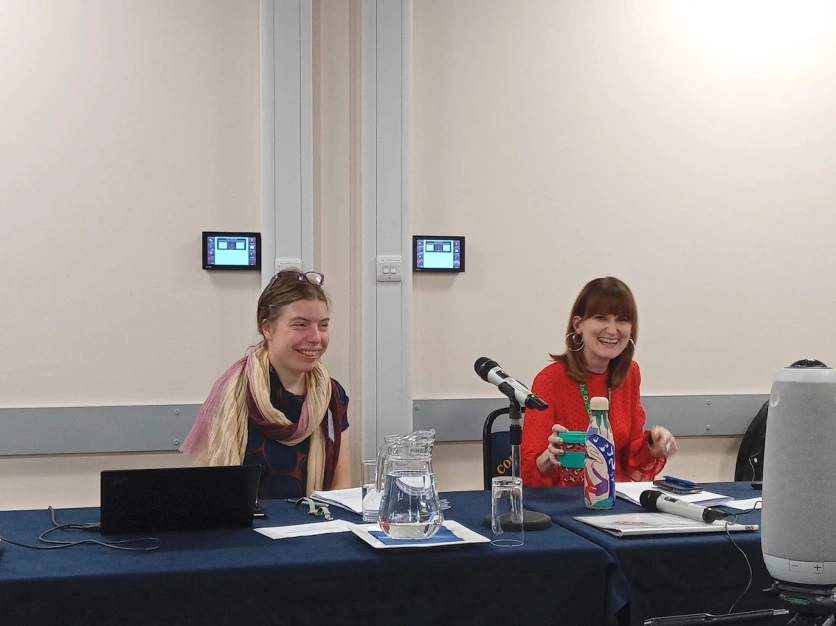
column 314, row 278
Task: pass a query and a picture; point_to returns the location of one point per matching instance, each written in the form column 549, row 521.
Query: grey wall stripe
column 90, row 430
column 462, row 420
column 69, row 430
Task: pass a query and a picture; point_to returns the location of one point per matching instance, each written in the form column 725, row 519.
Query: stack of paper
column 626, row 524
column 632, row 492
column 349, row 499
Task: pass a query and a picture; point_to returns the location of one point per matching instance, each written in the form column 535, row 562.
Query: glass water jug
column 409, row 504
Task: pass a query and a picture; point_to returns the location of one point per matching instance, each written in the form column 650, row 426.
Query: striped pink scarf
column 242, row 393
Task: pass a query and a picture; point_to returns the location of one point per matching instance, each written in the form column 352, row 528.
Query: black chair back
column 749, row 464
column 496, row 449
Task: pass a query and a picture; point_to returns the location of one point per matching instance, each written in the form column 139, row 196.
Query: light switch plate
column 389, row 268
column 287, row 264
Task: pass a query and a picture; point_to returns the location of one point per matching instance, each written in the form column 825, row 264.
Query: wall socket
column 287, row 264
column 389, row 268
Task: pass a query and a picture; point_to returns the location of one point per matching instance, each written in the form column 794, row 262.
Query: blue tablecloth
column 673, row 574
column 241, row 577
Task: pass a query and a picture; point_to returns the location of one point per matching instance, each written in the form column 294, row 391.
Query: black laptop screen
column 178, row 498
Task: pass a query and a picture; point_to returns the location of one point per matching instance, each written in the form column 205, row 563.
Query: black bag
column 749, row 465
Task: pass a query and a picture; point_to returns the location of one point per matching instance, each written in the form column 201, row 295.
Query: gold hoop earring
column 574, row 341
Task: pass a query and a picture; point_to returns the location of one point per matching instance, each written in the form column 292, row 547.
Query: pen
column 708, row 618
column 680, row 481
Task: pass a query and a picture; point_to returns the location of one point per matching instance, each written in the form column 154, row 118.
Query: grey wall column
column 286, row 59
column 386, row 218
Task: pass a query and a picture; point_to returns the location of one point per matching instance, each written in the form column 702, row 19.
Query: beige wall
column 685, row 147
column 67, row 480
column 203, row 176
column 559, row 137
column 128, row 128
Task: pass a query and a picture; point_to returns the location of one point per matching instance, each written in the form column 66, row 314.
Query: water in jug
column 409, row 504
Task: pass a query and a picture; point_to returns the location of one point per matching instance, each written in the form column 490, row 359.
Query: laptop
column 178, row 498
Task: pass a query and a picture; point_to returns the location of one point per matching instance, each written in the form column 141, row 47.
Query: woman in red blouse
column 598, row 361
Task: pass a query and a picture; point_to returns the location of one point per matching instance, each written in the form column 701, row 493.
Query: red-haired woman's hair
column 602, row 296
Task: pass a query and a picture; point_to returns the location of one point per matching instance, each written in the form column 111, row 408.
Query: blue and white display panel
column 231, row 250
column 437, row 253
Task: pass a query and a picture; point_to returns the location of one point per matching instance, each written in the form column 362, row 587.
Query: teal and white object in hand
column 574, row 449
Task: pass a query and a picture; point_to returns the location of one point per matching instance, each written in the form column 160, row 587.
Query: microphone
column 490, row 371
column 658, row 501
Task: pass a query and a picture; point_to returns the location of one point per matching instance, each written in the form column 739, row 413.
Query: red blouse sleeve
column 537, row 427
column 641, row 466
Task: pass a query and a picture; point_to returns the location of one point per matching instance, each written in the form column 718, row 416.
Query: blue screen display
column 231, row 250
column 436, row 253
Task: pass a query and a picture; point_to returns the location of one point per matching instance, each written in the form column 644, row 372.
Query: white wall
column 128, row 128
column 211, row 50
column 67, row 480
column 685, row 147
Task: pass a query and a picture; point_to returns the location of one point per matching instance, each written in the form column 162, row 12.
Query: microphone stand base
column 532, row 520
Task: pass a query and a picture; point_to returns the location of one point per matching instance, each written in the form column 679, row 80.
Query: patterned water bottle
column 599, row 462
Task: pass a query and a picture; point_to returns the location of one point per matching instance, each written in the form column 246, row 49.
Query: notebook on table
column 632, row 493
column 178, row 498
column 630, row 524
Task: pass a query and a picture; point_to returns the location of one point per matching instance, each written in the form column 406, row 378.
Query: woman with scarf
column 277, row 406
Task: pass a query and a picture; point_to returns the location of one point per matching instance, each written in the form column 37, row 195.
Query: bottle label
column 599, row 464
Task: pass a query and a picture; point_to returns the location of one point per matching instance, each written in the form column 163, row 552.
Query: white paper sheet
column 463, row 535
column 742, row 505
column 305, row 530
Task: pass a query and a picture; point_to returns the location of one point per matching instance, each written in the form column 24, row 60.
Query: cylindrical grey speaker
column 799, row 469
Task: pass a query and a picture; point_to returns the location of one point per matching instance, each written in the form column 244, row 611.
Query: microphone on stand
column 490, row 371
column 658, row 501
column 520, row 397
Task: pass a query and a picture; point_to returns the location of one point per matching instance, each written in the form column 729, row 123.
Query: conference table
column 238, row 576
column 571, row 573
column 674, row 574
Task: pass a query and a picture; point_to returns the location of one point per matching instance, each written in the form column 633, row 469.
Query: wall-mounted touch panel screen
column 231, row 251
column 437, row 253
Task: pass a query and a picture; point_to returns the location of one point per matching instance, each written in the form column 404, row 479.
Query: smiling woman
column 277, row 406
column 598, row 361
column 295, row 341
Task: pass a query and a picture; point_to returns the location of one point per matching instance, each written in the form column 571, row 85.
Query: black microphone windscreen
column 484, row 365
column 648, row 499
